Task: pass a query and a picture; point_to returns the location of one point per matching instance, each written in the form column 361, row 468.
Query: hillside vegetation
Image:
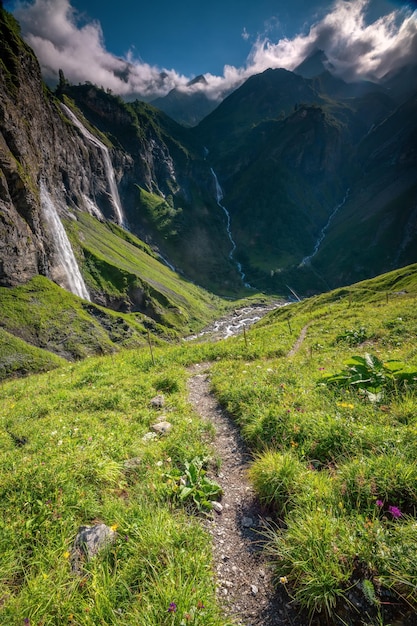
column 332, row 429
column 121, row 272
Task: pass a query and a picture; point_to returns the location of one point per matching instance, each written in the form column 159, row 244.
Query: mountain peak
column 198, row 80
column 313, row 65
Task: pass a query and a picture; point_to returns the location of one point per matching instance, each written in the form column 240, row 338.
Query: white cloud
column 50, row 27
column 245, row 35
column 355, row 48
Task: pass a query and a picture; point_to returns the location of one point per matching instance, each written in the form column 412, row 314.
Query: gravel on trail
column 243, row 575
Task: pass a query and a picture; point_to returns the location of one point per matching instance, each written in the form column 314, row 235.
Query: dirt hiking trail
column 243, row 574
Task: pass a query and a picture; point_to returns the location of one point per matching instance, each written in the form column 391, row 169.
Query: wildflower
column 114, row 527
column 67, row 555
column 26, row 621
column 172, row 607
column 283, row 580
column 345, row 405
column 395, row 511
column 200, row 605
column 379, row 503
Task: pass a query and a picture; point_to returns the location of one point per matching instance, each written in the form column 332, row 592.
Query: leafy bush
column 372, row 376
column 353, row 336
column 193, row 486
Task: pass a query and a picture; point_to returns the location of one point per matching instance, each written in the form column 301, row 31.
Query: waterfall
column 219, row 198
column 70, row 273
column 92, row 208
column 114, row 194
column 307, row 259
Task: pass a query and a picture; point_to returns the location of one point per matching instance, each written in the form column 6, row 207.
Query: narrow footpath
column 244, row 576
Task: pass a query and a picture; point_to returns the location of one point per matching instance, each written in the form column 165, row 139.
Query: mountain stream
column 234, row 323
column 219, row 198
column 307, row 259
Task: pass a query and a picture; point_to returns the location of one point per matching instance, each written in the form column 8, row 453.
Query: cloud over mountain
column 355, row 47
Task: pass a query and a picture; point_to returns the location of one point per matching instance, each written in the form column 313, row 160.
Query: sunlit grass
column 336, row 466
column 336, row 471
column 80, row 425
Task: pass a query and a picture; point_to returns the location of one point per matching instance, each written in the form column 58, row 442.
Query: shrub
column 276, row 478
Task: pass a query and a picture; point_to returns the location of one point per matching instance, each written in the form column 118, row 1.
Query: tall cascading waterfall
column 70, row 275
column 219, row 198
column 111, row 179
column 307, row 259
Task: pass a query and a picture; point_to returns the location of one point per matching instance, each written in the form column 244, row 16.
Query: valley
column 208, row 350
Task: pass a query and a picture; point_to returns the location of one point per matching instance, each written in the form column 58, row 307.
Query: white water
column 219, row 198
column 307, row 259
column 233, row 324
column 71, row 275
column 167, row 263
column 114, row 194
column 92, row 208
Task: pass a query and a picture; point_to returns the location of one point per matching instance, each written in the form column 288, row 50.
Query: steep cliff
column 38, row 144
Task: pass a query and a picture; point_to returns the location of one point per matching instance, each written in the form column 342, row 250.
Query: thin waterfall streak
column 68, row 264
column 111, row 179
column 323, row 232
column 219, row 198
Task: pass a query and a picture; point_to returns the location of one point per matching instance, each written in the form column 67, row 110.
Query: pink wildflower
column 395, row 511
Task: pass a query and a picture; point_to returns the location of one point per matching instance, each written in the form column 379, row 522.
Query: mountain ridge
column 284, row 150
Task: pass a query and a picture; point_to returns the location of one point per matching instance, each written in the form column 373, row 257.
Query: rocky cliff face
column 37, row 143
column 40, row 142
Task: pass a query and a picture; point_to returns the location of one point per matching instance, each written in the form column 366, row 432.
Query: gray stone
column 158, row 401
column 89, row 541
column 132, row 463
column 149, row 436
column 247, row 522
column 161, row 428
column 216, row 506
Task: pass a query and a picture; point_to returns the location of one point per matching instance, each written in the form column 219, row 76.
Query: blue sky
column 144, row 49
column 196, row 37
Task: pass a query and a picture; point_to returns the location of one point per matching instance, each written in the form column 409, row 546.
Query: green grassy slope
column 17, row 357
column 335, row 464
column 42, row 314
column 120, row 266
